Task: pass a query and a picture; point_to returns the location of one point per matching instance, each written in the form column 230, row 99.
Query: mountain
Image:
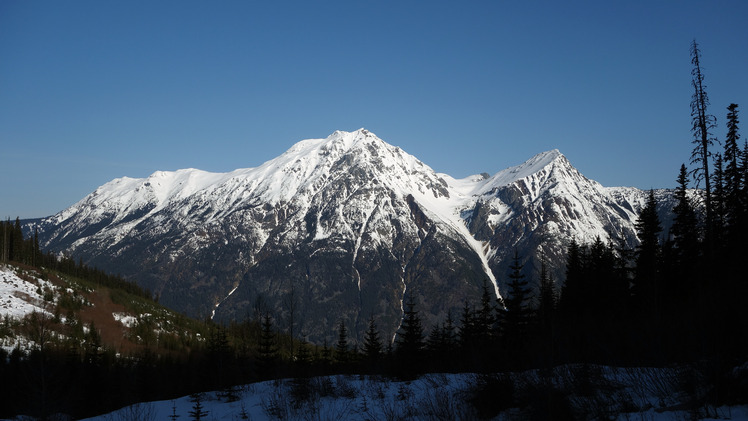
column 340, row 228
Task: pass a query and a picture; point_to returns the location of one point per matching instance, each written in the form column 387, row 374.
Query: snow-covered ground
column 19, row 297
column 641, row 394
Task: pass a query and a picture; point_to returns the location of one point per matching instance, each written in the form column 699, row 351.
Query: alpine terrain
column 342, row 228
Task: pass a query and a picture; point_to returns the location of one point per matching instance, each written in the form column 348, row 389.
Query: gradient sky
column 94, row 90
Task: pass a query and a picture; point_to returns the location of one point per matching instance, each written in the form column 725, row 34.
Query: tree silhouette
column 702, row 124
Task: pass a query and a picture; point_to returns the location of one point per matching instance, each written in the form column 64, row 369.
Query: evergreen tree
column 736, row 197
column 546, row 314
column 718, row 199
column 468, row 333
column 341, row 347
column 702, row 125
column 174, row 415
column 372, row 342
column 573, row 292
column 647, row 280
column 685, row 232
column 197, row 413
column 517, row 314
column 16, row 242
column 648, row 229
column 484, row 318
column 326, row 354
column 732, row 176
column 410, row 339
column 303, row 356
column 267, row 352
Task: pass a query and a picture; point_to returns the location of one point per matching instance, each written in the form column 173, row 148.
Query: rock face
column 338, row 228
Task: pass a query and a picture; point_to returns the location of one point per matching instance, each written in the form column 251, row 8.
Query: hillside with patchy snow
column 335, row 229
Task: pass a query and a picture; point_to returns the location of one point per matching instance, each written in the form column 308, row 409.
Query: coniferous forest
column 675, row 300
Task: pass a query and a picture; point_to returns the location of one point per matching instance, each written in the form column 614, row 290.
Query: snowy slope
column 21, row 296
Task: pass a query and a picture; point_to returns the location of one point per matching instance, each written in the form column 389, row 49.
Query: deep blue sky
column 94, row 90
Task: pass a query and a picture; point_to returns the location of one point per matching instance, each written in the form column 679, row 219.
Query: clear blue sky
column 94, row 90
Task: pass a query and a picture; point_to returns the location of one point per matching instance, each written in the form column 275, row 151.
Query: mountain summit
column 335, row 229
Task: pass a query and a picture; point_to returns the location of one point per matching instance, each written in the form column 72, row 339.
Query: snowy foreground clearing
column 581, row 392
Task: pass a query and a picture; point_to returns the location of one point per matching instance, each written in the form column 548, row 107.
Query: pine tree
column 702, row 125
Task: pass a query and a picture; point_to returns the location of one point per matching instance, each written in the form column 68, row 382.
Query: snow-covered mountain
column 341, row 228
